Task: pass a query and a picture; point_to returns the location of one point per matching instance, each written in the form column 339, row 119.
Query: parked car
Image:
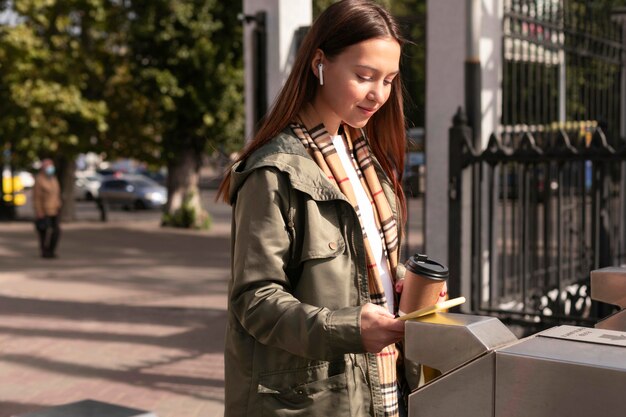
column 132, row 192
column 105, row 172
column 87, row 185
column 160, row 176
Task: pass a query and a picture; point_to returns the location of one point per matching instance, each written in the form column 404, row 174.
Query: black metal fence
column 545, row 202
column 563, row 60
column 544, row 213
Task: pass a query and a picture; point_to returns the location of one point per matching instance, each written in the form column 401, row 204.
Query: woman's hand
column 379, row 328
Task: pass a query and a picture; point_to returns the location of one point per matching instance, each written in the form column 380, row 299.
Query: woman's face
column 357, row 82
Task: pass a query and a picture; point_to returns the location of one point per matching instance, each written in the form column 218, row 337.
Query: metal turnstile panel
column 609, row 285
column 616, row 321
column 445, row 341
column 572, row 350
column 547, row 377
column 467, row 392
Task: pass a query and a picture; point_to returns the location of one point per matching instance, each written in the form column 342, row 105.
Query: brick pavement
column 129, row 313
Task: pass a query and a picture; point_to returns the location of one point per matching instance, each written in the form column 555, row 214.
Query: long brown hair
column 341, row 25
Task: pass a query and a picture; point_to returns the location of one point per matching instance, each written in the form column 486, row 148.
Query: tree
column 157, row 80
column 411, row 15
column 46, row 70
column 186, row 60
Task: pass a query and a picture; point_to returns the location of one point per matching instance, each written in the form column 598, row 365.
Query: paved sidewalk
column 129, row 313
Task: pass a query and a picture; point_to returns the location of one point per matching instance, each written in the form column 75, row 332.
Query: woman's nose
column 377, row 93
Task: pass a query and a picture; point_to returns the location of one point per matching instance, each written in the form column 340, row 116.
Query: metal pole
column 260, row 79
column 623, row 79
column 473, row 104
column 459, row 137
column 622, row 130
column 473, row 83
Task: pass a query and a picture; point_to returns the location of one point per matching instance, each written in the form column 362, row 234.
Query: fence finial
column 599, row 145
column 460, row 118
column 562, row 146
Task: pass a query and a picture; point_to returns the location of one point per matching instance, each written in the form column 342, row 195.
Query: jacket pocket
column 322, row 237
column 327, row 396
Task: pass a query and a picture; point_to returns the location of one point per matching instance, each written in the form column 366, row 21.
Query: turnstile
column 486, row 371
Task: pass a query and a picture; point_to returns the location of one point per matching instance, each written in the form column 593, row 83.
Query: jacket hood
column 286, row 153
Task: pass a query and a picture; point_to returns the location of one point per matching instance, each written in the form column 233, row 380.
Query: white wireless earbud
column 320, row 71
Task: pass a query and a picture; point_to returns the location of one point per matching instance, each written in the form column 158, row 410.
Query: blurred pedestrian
column 47, row 204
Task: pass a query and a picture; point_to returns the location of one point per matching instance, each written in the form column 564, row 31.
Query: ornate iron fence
column 545, row 202
column 563, row 60
column 554, row 213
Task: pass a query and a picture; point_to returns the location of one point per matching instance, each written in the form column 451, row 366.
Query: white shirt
column 367, row 217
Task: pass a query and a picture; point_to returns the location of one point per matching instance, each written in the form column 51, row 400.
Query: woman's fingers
column 379, row 328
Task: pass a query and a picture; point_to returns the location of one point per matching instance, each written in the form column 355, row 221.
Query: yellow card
column 433, row 309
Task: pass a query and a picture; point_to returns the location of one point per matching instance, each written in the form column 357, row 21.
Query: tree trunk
column 184, row 208
column 66, row 171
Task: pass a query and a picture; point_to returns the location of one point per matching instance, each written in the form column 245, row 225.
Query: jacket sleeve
column 260, row 294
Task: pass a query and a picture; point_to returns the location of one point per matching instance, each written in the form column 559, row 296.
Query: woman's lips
column 367, row 111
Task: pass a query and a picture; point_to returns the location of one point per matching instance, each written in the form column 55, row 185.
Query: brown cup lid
column 420, row 264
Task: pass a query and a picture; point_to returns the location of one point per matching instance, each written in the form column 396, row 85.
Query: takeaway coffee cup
column 423, row 281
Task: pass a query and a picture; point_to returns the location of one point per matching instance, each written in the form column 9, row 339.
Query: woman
column 47, row 205
column 317, row 208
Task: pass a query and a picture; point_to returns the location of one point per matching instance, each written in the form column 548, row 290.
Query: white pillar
column 283, row 18
column 491, row 59
column 491, row 64
column 447, row 50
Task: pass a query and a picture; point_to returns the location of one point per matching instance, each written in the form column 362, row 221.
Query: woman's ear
column 318, row 59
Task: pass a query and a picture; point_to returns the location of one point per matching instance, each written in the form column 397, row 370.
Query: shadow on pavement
column 162, row 262
column 83, row 311
column 13, row 408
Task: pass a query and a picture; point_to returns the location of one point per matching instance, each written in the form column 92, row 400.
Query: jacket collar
column 287, row 154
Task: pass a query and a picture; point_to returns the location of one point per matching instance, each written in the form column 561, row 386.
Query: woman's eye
column 364, row 78
column 388, row 82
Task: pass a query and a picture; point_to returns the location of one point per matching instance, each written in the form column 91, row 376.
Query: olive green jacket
column 299, row 279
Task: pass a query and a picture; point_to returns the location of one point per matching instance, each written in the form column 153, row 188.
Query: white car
column 87, row 185
column 133, row 192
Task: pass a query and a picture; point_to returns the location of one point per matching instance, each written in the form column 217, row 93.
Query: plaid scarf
column 319, row 145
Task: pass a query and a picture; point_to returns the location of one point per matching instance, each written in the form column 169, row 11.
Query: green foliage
column 188, row 216
column 320, row 5
column 140, row 79
column 45, row 74
column 411, row 15
column 187, row 61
